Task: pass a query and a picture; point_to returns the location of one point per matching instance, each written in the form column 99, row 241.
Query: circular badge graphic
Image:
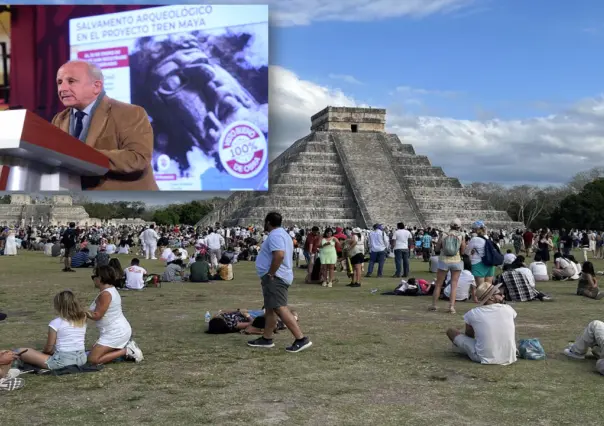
column 243, row 150
column 163, row 162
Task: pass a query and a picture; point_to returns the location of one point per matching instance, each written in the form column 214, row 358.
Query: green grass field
column 376, row 360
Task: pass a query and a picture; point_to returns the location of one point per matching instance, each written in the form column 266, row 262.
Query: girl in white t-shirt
column 66, row 335
column 539, row 269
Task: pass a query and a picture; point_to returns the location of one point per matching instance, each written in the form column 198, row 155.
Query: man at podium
column 118, row 130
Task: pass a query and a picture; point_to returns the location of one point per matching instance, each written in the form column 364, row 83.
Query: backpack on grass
column 531, row 349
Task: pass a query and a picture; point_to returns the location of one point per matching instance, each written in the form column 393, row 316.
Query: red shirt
column 528, row 238
column 313, row 239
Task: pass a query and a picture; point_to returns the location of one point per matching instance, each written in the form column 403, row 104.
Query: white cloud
column 408, row 90
column 549, row 148
column 345, row 78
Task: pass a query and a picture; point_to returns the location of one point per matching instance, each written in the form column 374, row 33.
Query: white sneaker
column 13, row 373
column 324, row 284
column 134, row 352
column 154, row 258
column 569, row 353
column 329, row 284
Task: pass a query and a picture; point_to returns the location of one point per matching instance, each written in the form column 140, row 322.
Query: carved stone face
column 202, row 97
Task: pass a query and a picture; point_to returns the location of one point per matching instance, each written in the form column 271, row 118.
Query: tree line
column 577, row 204
column 172, row 214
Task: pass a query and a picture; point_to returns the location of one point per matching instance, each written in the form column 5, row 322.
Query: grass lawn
column 376, row 360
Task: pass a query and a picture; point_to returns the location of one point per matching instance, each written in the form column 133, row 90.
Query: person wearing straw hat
column 490, row 334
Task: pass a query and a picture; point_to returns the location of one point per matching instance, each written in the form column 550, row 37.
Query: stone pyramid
column 349, row 172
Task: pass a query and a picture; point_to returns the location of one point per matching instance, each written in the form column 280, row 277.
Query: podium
column 37, row 156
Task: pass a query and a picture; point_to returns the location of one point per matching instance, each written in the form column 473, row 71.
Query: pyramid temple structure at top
column 349, row 172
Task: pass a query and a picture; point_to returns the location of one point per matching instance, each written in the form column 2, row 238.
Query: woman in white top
column 476, row 250
column 115, row 331
column 10, row 246
column 539, row 269
column 124, row 248
column 66, row 335
column 356, row 253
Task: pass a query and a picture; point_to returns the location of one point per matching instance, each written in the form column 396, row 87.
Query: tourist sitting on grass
column 173, row 272
column 55, row 251
column 259, row 323
column 135, row 275
column 123, row 248
column 232, row 321
column 508, row 258
column 591, row 338
column 490, row 333
column 588, row 285
column 200, row 270
column 466, row 284
column 564, row 269
column 412, row 287
column 168, row 255
column 225, row 270
column 66, row 336
column 81, row 259
column 539, row 268
column 115, row 331
column 119, row 272
column 102, row 258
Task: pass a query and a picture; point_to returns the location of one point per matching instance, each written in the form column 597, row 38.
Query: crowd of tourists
column 469, row 265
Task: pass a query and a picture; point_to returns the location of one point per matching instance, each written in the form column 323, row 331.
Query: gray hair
column 94, row 71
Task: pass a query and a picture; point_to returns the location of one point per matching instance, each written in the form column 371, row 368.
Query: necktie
column 79, row 123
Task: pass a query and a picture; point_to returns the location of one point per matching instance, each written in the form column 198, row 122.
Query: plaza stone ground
column 376, row 360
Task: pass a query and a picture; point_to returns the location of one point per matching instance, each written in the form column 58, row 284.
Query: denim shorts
column 455, row 266
column 60, row 360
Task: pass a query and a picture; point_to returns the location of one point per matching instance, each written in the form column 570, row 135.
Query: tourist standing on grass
column 329, row 257
column 274, row 267
column 401, row 239
column 476, row 250
column 450, row 246
column 69, row 241
column 356, row 252
column 378, row 246
column 66, row 336
column 10, row 246
column 115, row 331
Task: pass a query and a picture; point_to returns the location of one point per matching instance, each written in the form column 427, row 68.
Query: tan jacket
column 124, row 134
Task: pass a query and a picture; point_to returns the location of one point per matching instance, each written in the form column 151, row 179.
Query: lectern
column 37, row 156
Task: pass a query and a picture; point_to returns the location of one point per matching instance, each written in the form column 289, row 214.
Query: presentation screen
column 201, row 73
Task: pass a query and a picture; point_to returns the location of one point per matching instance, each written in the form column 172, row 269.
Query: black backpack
column 492, row 255
column 69, row 238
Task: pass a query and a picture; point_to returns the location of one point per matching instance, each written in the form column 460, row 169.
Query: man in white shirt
column 490, row 334
column 215, row 243
column 508, row 258
column 378, row 244
column 400, row 241
column 149, row 240
column 135, row 275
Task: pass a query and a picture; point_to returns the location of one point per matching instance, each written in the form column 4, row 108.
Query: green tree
column 584, row 210
column 165, row 217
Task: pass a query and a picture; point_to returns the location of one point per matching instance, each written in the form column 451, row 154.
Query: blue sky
column 491, row 90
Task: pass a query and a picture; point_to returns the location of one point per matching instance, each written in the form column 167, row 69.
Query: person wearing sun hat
column 490, row 333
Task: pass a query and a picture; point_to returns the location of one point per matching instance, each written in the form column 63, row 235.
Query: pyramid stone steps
column 434, row 182
column 316, row 213
column 321, row 147
column 473, row 215
column 303, row 179
column 451, row 203
column 306, row 157
column 411, row 160
column 315, row 168
column 298, row 221
column 381, row 203
column 421, row 171
column 311, row 190
column 440, row 193
column 316, row 200
column 490, row 224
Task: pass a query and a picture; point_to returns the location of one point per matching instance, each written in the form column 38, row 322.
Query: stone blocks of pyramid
column 349, row 172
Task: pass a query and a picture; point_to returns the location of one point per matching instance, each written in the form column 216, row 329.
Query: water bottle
column 208, row 316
